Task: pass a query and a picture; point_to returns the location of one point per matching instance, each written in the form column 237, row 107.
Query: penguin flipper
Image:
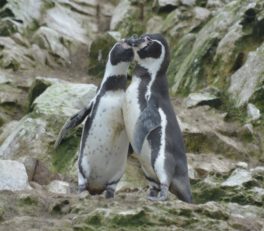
column 72, row 122
column 148, row 120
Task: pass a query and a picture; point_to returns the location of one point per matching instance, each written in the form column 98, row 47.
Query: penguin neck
column 114, row 77
column 118, row 69
column 152, row 81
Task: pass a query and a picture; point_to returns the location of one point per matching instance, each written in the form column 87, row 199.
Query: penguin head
column 151, row 50
column 121, row 52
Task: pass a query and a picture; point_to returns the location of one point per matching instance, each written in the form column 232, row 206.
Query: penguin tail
column 180, row 186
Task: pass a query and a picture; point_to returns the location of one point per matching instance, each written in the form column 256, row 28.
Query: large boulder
column 36, row 133
column 220, row 48
column 249, row 78
column 13, row 176
column 206, row 131
column 128, row 18
column 49, row 33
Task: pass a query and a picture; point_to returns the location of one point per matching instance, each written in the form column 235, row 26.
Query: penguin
column 104, row 142
column 151, row 123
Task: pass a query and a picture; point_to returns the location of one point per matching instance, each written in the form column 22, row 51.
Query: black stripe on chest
column 145, row 78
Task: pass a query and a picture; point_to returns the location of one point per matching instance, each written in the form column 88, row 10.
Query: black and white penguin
column 151, row 123
column 104, row 142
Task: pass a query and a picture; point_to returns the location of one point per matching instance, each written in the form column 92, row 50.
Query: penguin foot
column 109, row 193
column 163, row 194
column 153, row 192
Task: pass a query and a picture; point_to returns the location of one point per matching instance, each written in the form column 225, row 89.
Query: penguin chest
column 105, row 152
column 131, row 107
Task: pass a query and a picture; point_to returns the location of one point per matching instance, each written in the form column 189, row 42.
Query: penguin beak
column 133, row 41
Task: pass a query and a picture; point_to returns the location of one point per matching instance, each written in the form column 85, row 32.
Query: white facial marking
column 152, row 65
column 160, row 161
column 111, row 70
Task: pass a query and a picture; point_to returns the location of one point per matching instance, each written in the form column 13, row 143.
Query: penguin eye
column 148, row 39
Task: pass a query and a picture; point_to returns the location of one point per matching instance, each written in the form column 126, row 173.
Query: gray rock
column 121, row 11
column 257, row 171
column 25, row 139
column 14, row 56
column 4, row 78
column 7, row 129
column 51, row 40
column 39, row 85
column 201, row 13
column 245, row 81
column 30, row 165
column 188, row 2
column 36, row 132
column 163, row 3
column 205, row 164
column 214, row 3
column 69, row 24
column 166, row 5
column 238, row 178
column 253, row 112
column 242, row 165
column 205, row 97
column 13, row 176
column 59, row 187
column 154, row 24
column 25, row 10
column 63, row 99
column 44, row 175
column 205, row 131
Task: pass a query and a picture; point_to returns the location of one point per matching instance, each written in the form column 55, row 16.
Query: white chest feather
column 105, row 151
column 131, row 107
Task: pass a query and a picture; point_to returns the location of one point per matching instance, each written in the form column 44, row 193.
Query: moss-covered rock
column 242, row 88
column 98, row 54
column 49, row 112
column 220, row 48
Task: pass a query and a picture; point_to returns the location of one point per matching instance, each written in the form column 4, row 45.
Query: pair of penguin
column 141, row 115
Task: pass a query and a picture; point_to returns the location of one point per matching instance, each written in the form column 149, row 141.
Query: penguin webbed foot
column 153, row 192
column 163, row 196
column 109, row 193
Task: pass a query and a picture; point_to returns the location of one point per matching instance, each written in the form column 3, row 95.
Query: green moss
column 201, row 3
column 179, row 53
column 36, row 90
column 138, row 219
column 58, row 207
column 130, row 26
column 98, row 55
column 233, row 113
column 204, row 192
column 7, row 27
column 28, row 200
column 258, row 96
column 65, row 154
column 2, row 212
column 83, row 227
column 194, row 72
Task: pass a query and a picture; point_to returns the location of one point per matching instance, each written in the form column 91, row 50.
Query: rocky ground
column 52, row 55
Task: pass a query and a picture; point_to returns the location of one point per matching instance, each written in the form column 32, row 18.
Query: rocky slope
column 52, row 55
